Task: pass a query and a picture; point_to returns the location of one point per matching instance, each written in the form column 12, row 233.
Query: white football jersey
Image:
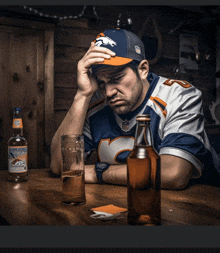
column 177, row 125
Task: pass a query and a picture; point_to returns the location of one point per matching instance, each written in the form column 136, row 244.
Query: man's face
column 123, row 90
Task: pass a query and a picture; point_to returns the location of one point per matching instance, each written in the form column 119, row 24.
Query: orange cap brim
column 116, row 61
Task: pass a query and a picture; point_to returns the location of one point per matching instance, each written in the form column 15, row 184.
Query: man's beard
column 127, row 106
column 121, row 109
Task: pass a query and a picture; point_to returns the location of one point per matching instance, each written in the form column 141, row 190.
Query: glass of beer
column 73, row 180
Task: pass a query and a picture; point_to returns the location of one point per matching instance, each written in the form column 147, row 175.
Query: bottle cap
column 18, row 109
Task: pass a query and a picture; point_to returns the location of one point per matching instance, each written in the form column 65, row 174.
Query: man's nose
column 110, row 90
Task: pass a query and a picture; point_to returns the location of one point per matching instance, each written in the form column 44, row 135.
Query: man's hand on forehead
column 99, row 53
column 94, row 55
column 102, row 49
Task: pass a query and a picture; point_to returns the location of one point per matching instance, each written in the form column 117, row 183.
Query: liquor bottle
column 143, row 181
column 17, row 151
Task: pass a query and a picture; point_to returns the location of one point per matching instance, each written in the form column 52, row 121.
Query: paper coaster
column 112, row 209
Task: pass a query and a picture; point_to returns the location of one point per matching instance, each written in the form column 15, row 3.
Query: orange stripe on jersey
column 165, row 113
column 160, row 101
column 155, row 100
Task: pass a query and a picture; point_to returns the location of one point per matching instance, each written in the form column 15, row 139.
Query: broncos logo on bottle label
column 111, row 150
column 104, row 40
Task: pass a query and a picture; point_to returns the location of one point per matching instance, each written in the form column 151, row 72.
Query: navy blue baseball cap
column 125, row 44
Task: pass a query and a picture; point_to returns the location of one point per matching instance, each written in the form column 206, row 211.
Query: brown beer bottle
column 143, row 181
column 17, row 151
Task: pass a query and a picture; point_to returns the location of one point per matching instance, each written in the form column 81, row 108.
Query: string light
column 41, row 14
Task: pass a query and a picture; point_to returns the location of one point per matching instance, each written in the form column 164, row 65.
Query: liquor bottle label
column 17, row 159
column 17, row 123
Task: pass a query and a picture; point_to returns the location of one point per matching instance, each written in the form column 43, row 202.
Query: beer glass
column 73, row 179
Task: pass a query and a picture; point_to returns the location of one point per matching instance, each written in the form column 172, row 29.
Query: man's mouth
column 116, row 102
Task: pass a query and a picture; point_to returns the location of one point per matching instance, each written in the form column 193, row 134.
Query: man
column 115, row 68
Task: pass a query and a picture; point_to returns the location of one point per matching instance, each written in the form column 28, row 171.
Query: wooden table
column 38, row 202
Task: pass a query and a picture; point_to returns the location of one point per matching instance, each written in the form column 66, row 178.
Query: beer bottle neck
column 17, row 126
column 17, row 131
column 143, row 135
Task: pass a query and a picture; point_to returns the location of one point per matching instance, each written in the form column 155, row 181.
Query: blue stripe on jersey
column 87, row 143
column 192, row 145
column 188, row 143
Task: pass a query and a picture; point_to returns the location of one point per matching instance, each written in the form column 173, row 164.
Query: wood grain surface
column 38, row 202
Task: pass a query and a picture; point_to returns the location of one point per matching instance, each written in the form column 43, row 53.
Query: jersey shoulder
column 172, row 90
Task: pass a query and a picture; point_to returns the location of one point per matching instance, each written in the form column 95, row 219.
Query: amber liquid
column 73, row 187
column 144, row 196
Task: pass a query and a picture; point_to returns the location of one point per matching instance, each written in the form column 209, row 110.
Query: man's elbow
column 176, row 181
column 55, row 164
column 55, row 167
column 175, row 172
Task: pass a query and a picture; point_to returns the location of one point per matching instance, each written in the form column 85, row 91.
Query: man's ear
column 143, row 69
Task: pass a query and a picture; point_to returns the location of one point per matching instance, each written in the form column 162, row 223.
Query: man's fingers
column 100, row 49
column 86, row 64
column 94, row 58
column 97, row 55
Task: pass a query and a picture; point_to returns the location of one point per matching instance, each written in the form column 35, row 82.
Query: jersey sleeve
column 183, row 127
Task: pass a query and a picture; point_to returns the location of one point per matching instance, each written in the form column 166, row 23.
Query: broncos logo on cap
column 104, row 40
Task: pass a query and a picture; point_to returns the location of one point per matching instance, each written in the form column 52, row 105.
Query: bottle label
column 17, row 123
column 17, row 159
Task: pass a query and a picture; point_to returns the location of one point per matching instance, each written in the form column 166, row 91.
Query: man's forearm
column 115, row 174
column 72, row 124
column 175, row 173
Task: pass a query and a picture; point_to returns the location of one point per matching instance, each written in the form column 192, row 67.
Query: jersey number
column 170, row 82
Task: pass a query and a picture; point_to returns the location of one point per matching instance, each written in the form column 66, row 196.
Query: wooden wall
column 26, row 81
column 73, row 38
column 71, row 41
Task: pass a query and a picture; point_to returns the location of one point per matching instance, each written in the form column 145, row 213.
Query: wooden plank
column 23, row 23
column 82, row 23
column 85, row 40
column 72, row 53
column 20, row 30
column 4, row 95
column 40, row 102
column 72, row 37
column 61, row 65
column 49, row 90
column 58, row 118
column 63, row 98
column 66, row 80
